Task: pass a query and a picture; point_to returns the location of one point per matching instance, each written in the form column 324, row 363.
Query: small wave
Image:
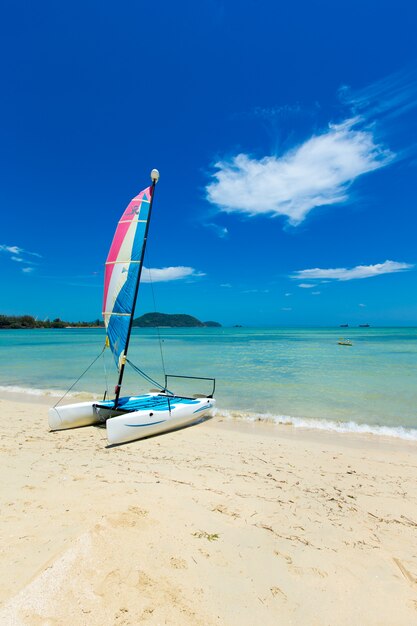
column 50, row 393
column 399, row 432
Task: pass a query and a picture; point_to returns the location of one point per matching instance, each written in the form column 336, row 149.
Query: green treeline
column 149, row 320
column 28, row 321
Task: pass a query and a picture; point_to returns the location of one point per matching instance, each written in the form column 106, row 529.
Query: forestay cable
column 154, row 308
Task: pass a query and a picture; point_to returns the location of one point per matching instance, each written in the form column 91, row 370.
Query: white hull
column 131, row 426
column 72, row 416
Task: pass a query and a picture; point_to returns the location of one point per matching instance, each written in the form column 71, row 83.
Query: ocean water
column 286, row 375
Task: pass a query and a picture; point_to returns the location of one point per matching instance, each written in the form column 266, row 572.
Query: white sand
column 214, row 524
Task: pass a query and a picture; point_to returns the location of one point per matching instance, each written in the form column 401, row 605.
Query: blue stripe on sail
column 118, row 325
column 117, row 330
column 139, row 239
column 124, row 300
column 144, row 211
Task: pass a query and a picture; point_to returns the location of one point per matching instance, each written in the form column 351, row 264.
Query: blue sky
column 285, row 134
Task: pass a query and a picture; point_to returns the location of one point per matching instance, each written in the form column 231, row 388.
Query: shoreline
column 299, row 424
column 216, row 523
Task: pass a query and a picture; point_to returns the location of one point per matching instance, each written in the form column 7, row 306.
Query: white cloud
column 287, row 294
column 315, row 173
column 16, row 250
column 225, row 285
column 360, row 271
column 221, row 231
column 27, row 270
column 315, row 293
column 165, row 274
column 361, row 305
column 307, row 285
column 11, row 249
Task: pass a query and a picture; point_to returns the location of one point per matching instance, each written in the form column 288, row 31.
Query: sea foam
column 399, row 432
column 49, row 393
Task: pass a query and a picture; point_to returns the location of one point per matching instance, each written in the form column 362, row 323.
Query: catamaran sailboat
column 132, row 417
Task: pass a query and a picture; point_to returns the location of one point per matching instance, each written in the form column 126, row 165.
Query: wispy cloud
column 19, row 255
column 353, row 273
column 16, row 250
column 166, row 274
column 315, row 293
column 307, row 285
column 220, row 231
column 388, row 98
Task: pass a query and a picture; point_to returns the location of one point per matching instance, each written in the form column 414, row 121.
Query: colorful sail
column 122, row 270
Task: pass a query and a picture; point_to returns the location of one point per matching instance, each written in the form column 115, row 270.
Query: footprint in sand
column 276, row 591
column 178, row 563
column 111, row 581
column 220, row 508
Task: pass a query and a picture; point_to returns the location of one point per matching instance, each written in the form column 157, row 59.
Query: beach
column 225, row 522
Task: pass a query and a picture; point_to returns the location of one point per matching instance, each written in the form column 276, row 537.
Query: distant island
column 28, row 321
column 174, row 320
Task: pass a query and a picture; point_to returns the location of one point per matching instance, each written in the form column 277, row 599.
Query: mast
column 154, row 177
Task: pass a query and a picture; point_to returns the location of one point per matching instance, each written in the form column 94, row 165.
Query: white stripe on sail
column 121, row 267
column 116, row 262
column 124, row 221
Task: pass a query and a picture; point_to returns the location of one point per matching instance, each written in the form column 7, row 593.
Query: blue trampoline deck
column 146, row 403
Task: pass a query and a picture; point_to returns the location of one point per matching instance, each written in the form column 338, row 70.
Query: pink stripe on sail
column 118, row 238
column 129, row 214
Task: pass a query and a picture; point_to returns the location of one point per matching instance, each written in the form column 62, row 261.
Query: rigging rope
column 79, row 378
column 154, row 308
column 105, row 374
column 147, row 377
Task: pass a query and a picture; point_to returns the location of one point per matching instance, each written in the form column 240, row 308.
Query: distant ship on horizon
column 363, row 325
column 344, row 326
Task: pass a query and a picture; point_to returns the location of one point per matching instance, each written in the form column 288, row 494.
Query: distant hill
column 175, row 320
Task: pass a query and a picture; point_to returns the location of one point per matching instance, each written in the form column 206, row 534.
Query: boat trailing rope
column 79, row 378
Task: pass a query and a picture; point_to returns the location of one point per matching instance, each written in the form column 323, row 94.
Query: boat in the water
column 344, row 342
column 131, row 417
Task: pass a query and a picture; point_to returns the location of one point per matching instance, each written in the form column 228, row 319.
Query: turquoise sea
column 288, row 375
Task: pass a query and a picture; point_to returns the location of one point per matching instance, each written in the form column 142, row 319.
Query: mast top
column 155, row 176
